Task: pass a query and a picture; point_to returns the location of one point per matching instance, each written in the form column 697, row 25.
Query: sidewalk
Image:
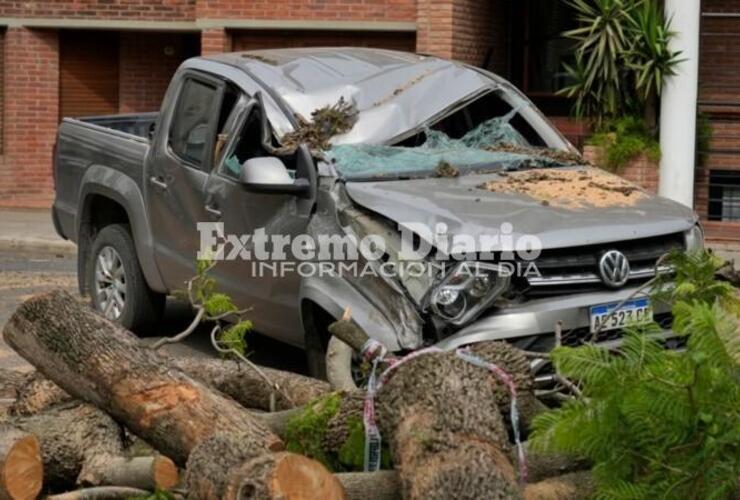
column 31, row 229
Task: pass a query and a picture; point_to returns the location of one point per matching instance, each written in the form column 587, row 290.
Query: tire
column 117, row 286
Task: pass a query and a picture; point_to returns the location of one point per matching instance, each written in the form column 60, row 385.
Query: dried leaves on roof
column 325, row 123
column 574, row 189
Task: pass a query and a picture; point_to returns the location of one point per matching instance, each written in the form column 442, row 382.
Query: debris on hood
column 444, row 169
column 574, row 189
column 325, row 123
column 559, row 156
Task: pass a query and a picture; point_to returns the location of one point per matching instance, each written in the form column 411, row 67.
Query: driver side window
column 193, row 122
column 247, row 145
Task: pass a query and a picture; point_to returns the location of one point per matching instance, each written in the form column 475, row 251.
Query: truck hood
column 466, row 209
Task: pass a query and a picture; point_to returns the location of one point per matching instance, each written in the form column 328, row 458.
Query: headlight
column 694, row 239
column 467, row 290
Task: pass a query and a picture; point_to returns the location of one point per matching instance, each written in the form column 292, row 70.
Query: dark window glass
column 539, row 50
column 193, row 122
column 724, row 195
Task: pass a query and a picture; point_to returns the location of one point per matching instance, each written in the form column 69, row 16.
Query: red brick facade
column 31, row 102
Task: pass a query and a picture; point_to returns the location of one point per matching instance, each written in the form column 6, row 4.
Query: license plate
column 605, row 316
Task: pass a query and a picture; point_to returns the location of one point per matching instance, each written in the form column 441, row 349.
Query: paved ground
column 27, row 272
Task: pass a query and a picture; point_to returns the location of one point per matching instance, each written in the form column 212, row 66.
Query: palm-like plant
column 622, row 57
column 601, row 41
column 649, row 55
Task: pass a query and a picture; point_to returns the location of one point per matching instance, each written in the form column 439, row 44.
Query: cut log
column 575, row 486
column 282, row 476
column 381, row 485
column 97, row 361
column 21, row 468
column 150, row 473
column 339, row 365
column 443, row 419
column 245, row 386
column 81, row 445
column 102, row 493
column 36, row 394
column 252, row 473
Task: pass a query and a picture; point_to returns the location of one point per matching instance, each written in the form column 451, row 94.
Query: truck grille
column 573, row 270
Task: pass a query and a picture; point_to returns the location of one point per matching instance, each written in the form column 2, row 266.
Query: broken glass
column 494, row 143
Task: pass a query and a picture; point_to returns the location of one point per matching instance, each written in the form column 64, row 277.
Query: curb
column 38, row 244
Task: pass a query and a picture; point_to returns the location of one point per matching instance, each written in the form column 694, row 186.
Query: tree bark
column 37, row 393
column 574, row 486
column 21, row 468
column 96, row 361
column 10, row 381
column 246, row 387
column 445, row 419
column 381, row 485
column 253, row 472
column 102, row 493
column 81, row 445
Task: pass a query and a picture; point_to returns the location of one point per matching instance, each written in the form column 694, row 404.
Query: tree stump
column 21, row 467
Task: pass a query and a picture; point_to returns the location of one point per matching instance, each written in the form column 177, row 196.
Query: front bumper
column 539, row 317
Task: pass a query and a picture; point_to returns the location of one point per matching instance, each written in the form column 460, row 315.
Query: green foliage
column 352, row 453
column 305, row 435
column 648, row 54
column 305, row 432
column 217, row 306
column 694, row 281
column 623, row 139
column 621, row 57
column 218, row 303
column 658, row 423
column 234, row 336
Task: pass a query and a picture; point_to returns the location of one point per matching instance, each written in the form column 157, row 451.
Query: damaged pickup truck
column 375, row 145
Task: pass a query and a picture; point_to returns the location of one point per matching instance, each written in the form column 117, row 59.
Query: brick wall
column 345, row 10
column 31, row 113
column 640, row 171
column 464, row 30
column 153, row 10
column 147, row 62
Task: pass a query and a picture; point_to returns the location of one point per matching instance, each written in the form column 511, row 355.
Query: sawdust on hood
column 574, row 189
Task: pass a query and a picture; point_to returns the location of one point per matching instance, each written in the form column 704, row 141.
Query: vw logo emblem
column 614, row 269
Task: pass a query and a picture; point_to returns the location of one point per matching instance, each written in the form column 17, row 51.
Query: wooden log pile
column 105, row 416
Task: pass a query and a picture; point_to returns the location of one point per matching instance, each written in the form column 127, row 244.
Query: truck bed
column 95, row 147
column 139, row 124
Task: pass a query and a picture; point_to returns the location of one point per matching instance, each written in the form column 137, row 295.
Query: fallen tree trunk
column 244, row 385
column 21, row 468
column 81, row 445
column 241, row 383
column 440, row 415
column 381, row 485
column 252, row 473
column 10, row 381
column 96, row 361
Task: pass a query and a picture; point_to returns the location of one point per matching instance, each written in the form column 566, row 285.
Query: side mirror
column 267, row 174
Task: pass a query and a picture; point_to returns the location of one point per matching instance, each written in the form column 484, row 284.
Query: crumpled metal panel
column 467, row 210
column 393, row 91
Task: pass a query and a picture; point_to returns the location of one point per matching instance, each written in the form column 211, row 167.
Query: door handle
column 213, row 210
column 157, row 181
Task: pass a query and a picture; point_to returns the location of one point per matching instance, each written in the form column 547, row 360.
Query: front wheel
column 116, row 283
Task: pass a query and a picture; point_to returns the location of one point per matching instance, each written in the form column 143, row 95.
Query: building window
column 724, row 195
column 539, row 51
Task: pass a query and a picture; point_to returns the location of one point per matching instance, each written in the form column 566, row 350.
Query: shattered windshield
column 506, row 141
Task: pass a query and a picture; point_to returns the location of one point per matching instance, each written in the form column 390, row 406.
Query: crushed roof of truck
column 394, row 92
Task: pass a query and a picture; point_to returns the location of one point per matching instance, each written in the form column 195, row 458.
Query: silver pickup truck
column 435, row 151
